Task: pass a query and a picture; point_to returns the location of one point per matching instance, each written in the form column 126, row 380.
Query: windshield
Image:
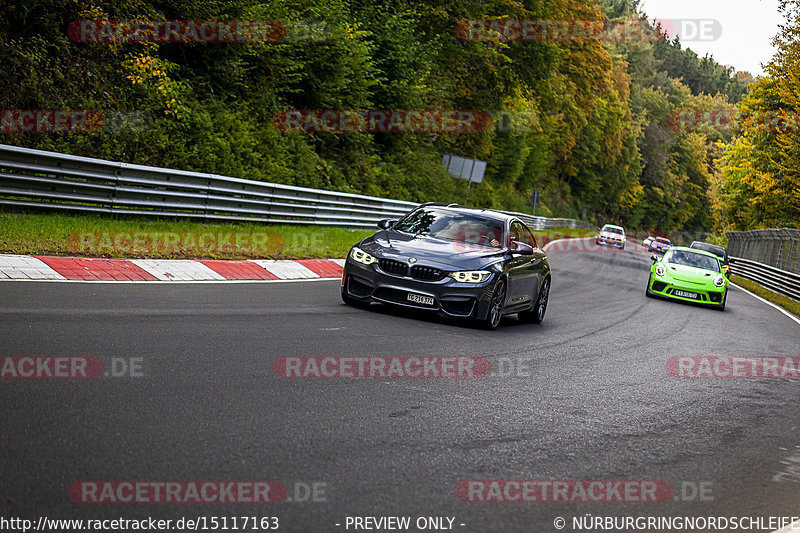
column 451, row 226
column 716, row 250
column 611, row 229
column 692, row 259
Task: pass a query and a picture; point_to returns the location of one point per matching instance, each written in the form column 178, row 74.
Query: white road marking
column 546, row 246
column 286, row 269
column 177, row 269
column 757, row 297
column 25, row 267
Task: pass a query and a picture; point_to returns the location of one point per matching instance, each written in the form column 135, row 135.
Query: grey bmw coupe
column 476, row 264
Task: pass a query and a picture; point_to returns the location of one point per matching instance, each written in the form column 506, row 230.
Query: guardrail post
column 112, row 195
column 793, row 258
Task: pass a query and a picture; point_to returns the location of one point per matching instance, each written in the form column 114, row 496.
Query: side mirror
column 521, row 248
column 653, row 258
column 386, row 223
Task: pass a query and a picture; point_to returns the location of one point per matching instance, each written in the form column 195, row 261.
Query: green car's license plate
column 684, row 294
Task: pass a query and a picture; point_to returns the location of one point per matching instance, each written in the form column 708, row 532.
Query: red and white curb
column 50, row 268
column 55, row 268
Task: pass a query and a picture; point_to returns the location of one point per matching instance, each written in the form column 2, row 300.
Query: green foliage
column 584, row 122
column 759, row 183
column 701, row 75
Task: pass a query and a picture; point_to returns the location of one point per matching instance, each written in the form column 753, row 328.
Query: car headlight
column 471, row 276
column 361, row 256
column 719, row 281
column 660, row 270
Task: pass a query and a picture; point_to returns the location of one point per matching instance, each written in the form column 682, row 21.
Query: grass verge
column 793, row 306
column 94, row 236
column 140, row 237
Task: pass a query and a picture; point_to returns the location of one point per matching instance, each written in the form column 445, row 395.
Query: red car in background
column 660, row 245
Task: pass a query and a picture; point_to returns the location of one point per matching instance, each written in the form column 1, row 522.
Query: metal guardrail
column 35, row 178
column 774, row 279
column 50, row 180
column 779, row 248
column 540, row 223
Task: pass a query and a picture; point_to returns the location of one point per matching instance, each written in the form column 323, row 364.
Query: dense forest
column 608, row 128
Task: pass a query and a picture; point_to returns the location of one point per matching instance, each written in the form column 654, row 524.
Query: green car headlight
column 719, row 281
column 660, row 270
column 471, row 276
column 360, row 256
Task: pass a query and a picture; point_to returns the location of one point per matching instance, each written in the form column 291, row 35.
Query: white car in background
column 611, row 235
column 647, row 241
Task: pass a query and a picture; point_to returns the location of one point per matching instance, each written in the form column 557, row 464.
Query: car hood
column 442, row 254
column 609, row 235
column 690, row 274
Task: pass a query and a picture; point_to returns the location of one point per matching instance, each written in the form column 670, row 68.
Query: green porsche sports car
column 688, row 274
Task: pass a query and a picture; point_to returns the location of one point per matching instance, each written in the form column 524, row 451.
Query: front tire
column 346, row 299
column 496, row 306
column 724, row 300
column 647, row 289
column 536, row 314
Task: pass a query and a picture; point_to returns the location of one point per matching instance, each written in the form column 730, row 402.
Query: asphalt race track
column 595, row 403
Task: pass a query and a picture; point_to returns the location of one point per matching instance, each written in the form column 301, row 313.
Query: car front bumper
column 604, row 241
column 706, row 296
column 450, row 298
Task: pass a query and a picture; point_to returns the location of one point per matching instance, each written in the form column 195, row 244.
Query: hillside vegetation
column 589, row 122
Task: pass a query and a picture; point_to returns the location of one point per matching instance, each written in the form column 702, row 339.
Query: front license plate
column 684, row 294
column 419, row 299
